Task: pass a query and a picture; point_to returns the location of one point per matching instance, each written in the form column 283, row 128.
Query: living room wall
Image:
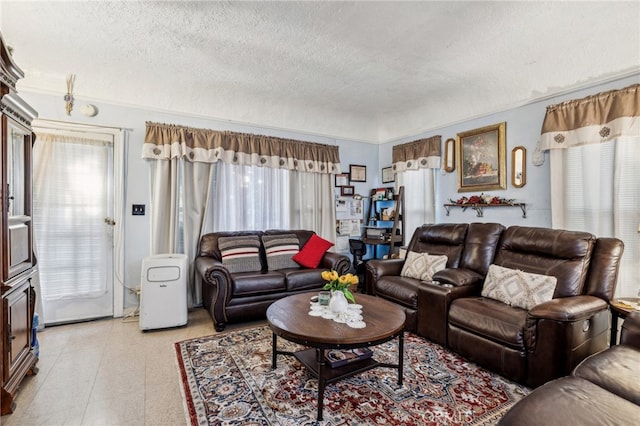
column 523, row 128
column 137, row 228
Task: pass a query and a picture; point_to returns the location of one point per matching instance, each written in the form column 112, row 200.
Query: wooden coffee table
column 289, row 318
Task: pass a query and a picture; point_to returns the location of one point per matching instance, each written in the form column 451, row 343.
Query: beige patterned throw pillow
column 518, row 288
column 422, row 266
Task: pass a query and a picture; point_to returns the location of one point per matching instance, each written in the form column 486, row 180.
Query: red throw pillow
column 311, row 253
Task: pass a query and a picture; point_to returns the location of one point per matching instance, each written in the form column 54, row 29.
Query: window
column 596, row 188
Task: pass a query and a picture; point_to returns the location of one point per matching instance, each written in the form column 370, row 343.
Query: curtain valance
column 165, row 141
column 594, row 119
column 420, row 154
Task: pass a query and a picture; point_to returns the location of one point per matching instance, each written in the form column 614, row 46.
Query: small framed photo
column 342, row 179
column 357, row 173
column 388, row 175
column 347, row 191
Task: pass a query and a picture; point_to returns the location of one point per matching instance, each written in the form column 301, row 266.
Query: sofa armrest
column 338, row 262
column 376, row 268
column 568, row 309
column 216, row 288
column 458, row 277
column 560, row 333
column 630, row 334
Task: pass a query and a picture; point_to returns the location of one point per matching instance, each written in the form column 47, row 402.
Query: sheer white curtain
column 419, row 198
column 247, row 197
column 313, row 205
column 60, row 232
column 415, row 164
column 73, row 187
column 596, row 188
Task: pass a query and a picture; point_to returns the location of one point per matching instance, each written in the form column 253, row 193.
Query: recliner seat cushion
column 253, row 283
column 490, row 319
column 303, row 279
column 617, row 370
column 571, row 401
column 401, row 290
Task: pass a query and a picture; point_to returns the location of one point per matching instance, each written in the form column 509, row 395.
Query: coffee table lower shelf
column 309, row 358
column 313, row 360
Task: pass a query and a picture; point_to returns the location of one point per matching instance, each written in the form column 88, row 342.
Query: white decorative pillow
column 422, row 266
column 516, row 288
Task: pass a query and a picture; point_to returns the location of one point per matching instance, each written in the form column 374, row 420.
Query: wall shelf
column 479, row 207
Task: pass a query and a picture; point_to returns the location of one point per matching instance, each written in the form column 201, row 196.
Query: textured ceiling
column 369, row 71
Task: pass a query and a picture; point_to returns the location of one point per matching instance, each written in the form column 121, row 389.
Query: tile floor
column 107, row 372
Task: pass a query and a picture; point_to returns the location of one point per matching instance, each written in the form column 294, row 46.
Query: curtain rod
column 71, row 123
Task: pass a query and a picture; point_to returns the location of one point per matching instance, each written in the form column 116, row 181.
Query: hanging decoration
column 68, row 98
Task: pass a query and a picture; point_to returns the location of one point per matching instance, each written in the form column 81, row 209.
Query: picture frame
column 357, row 173
column 388, row 175
column 342, row 179
column 347, row 191
column 481, row 158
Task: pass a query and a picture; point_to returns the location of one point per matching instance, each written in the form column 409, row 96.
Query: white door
column 73, row 225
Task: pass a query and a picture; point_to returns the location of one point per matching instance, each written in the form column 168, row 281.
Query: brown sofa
column 604, row 389
column 245, row 296
column 530, row 346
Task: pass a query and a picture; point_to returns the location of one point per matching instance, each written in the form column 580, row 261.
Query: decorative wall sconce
column 519, row 167
column 68, row 98
column 449, row 155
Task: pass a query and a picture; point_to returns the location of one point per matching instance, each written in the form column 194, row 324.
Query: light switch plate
column 137, row 209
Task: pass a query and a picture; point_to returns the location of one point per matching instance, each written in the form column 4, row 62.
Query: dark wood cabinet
column 16, row 234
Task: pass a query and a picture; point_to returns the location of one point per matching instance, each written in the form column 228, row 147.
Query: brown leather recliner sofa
column 604, row 389
column 245, row 296
column 531, row 346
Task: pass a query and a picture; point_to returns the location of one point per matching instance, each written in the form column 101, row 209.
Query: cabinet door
column 16, row 189
column 18, row 329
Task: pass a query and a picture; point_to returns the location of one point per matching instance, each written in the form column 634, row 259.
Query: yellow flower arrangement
column 341, row 283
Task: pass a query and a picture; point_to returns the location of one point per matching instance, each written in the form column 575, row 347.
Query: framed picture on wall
column 357, row 173
column 342, row 179
column 480, row 156
column 347, row 191
column 387, row 175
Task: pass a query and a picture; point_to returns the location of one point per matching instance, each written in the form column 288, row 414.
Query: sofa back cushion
column 603, row 271
column 279, row 250
column 440, row 239
column 565, row 255
column 480, row 246
column 240, row 253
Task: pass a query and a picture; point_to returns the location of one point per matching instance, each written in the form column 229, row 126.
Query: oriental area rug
column 227, row 379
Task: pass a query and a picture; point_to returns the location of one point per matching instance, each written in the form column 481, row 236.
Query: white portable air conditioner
column 163, row 291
